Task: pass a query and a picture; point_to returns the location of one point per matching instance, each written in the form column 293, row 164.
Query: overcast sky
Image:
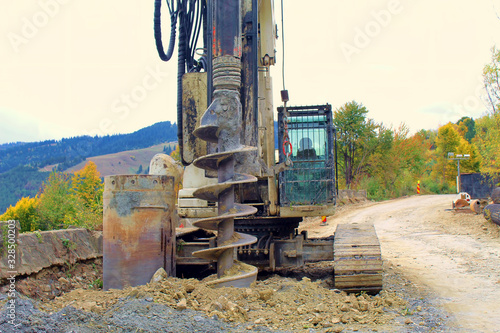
column 70, row 67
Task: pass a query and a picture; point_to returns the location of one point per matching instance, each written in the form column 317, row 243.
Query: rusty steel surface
column 475, row 206
column 221, row 124
column 492, row 212
column 138, row 229
column 460, row 203
column 495, row 195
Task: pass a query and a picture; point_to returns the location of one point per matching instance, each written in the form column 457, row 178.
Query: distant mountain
column 68, row 152
column 5, row 146
column 125, row 162
column 25, row 165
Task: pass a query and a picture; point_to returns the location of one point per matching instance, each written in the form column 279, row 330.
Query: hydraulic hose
column 181, row 68
column 190, row 14
column 157, row 30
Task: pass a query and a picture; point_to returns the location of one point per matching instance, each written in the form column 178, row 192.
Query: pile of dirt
column 277, row 303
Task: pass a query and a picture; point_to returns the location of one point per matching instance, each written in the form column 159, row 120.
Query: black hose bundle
column 157, row 29
column 190, row 14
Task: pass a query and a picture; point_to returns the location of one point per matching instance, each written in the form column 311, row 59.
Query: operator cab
column 308, row 184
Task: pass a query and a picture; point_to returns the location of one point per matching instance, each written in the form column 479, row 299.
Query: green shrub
column 433, row 186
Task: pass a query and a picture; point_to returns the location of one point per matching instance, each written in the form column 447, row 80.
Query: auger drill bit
column 221, row 124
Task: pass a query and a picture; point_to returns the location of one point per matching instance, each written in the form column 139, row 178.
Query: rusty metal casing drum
column 495, row 195
column 492, row 212
column 475, row 206
column 138, row 229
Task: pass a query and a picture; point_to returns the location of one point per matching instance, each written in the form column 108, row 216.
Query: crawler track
column 358, row 261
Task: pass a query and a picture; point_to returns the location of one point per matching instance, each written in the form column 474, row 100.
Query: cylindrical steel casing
column 138, row 229
column 492, row 212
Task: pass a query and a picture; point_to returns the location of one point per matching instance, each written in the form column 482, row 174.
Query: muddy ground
column 441, row 273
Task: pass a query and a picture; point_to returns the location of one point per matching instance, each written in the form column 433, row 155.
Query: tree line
column 388, row 162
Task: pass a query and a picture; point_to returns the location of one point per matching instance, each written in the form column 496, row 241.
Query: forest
column 388, row 162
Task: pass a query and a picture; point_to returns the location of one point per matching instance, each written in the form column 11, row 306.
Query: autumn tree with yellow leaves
column 75, row 201
column 25, row 211
column 450, row 140
column 487, row 139
column 87, row 184
column 63, row 201
column 87, row 190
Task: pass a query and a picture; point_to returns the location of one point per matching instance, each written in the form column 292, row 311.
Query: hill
column 68, row 152
column 5, row 146
column 126, row 162
column 25, row 165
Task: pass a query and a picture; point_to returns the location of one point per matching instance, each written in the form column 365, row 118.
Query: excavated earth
column 441, row 274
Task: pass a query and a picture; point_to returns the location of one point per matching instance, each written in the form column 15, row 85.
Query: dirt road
column 454, row 256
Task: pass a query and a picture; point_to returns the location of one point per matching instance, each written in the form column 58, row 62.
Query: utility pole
column 458, row 157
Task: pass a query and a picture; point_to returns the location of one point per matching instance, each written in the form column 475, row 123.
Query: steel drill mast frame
column 226, row 131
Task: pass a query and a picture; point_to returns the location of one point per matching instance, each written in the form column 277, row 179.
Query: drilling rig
column 234, row 185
